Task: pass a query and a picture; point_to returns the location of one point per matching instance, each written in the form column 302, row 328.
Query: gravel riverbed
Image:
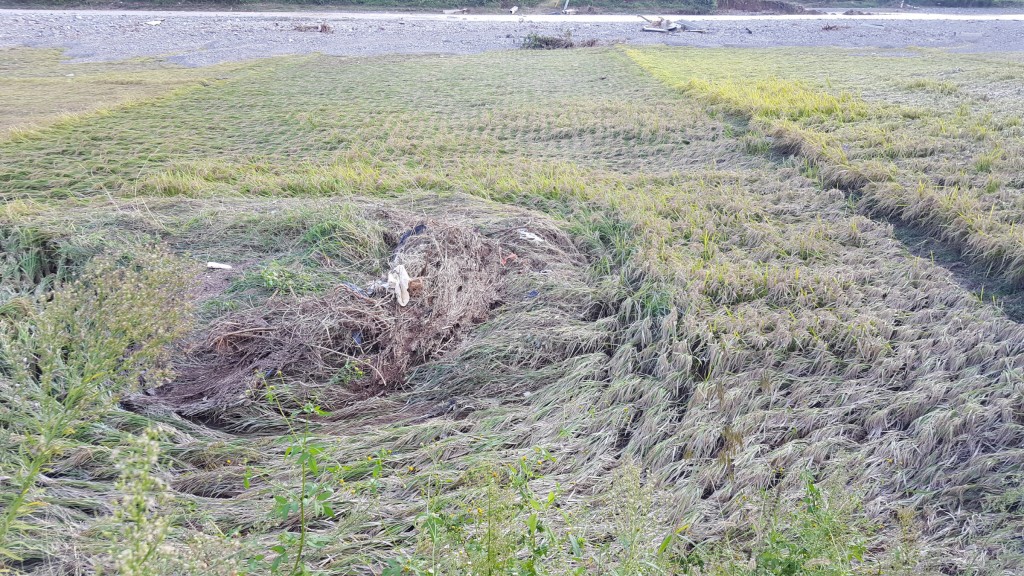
column 201, row 38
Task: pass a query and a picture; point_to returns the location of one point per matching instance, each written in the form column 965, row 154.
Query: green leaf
column 532, row 521
column 394, row 568
column 665, row 543
column 577, row 544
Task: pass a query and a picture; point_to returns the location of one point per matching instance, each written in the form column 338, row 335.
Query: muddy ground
column 201, row 38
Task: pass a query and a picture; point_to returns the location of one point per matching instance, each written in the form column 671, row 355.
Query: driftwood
column 664, row 25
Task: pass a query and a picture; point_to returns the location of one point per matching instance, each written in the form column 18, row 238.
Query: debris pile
column 323, row 28
column 542, row 42
column 664, row 25
column 443, row 279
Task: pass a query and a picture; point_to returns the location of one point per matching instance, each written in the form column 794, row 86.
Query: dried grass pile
column 355, row 342
column 535, row 41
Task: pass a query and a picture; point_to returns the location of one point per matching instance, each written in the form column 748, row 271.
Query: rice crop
column 665, row 322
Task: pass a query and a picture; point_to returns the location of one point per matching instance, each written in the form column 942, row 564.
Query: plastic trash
column 419, row 229
column 356, row 289
column 530, row 237
column 377, row 287
column 398, row 282
column 218, row 266
column 506, row 258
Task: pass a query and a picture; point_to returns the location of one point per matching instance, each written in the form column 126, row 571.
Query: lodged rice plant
column 643, row 341
column 924, row 153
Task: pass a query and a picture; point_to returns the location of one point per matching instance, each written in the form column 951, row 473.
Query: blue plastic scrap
column 419, row 229
column 355, row 289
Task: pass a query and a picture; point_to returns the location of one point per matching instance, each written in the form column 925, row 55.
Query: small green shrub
column 535, row 41
column 69, row 361
column 31, row 260
column 276, row 277
column 139, row 548
column 311, row 500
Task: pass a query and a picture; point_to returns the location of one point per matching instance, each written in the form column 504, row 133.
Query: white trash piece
column 153, row 22
column 530, row 237
column 218, row 266
column 398, row 282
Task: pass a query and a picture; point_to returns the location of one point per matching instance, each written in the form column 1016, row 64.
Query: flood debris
column 447, row 277
column 664, row 25
column 530, row 237
column 655, row 22
column 418, row 229
column 323, row 28
column 398, row 283
column 669, row 28
column 541, row 42
column 358, row 290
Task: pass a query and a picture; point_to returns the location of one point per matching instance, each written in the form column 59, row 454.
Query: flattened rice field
column 673, row 311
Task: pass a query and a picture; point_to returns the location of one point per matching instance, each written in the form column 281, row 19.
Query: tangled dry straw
column 358, row 339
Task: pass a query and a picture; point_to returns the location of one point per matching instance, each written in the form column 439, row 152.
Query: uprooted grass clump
column 534, row 41
column 699, row 360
